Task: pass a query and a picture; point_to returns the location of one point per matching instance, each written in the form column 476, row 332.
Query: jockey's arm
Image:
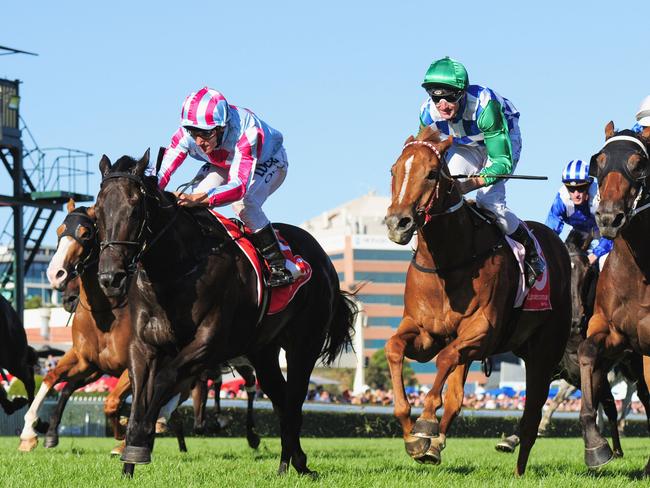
column 174, row 156
column 556, row 215
column 492, row 123
column 240, row 173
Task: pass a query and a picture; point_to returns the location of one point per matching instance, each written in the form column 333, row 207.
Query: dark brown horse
column 100, row 332
column 621, row 319
column 459, row 299
column 629, row 369
column 195, row 305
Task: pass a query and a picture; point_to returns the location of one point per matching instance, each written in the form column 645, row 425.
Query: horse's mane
column 577, row 241
column 428, row 134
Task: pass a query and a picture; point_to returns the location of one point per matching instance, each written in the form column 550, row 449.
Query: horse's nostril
column 404, row 222
column 60, row 274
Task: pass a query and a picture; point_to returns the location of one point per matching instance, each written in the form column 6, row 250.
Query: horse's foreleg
column 28, row 436
column 52, row 435
column 199, row 402
column 453, row 402
column 642, row 393
column 597, row 450
column 609, row 407
column 394, row 349
column 112, row 405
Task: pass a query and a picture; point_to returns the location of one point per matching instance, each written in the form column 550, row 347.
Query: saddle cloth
column 538, row 297
column 280, row 296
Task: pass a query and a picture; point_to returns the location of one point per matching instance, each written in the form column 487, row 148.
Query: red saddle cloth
column 280, row 296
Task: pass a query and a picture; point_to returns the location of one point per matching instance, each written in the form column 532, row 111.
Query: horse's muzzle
column 113, row 283
column 400, row 228
column 610, row 222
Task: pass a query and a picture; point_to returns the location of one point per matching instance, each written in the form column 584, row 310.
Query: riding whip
column 513, row 177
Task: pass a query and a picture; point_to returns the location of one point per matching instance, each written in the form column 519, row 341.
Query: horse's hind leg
column 563, row 394
column 609, row 406
column 199, row 402
column 176, row 424
column 541, row 361
column 112, row 405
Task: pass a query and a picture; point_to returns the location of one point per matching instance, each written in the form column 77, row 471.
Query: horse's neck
column 448, row 239
column 636, row 236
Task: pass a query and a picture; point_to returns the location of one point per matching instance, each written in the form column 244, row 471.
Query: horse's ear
column 410, row 139
column 445, row 145
column 142, row 164
column 609, row 130
column 70, row 205
column 104, row 165
column 90, row 211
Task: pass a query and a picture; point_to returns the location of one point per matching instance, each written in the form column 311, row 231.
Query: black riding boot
column 534, row 264
column 267, row 243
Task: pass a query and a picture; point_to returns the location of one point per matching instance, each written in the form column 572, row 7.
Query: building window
column 336, row 256
column 384, row 322
column 379, row 276
column 374, row 343
column 388, row 299
column 382, row 255
column 341, row 276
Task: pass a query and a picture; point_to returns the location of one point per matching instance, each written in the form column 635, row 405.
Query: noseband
column 423, row 212
column 73, row 221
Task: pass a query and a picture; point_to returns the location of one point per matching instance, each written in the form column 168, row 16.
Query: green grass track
column 356, row 463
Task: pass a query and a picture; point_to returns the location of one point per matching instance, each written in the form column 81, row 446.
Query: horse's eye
column 433, row 174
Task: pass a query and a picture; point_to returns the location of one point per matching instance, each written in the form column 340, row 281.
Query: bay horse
column 100, row 332
column 459, row 299
column 194, row 299
column 621, row 318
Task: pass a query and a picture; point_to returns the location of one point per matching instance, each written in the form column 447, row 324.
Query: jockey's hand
column 193, row 199
column 471, row 184
column 592, row 258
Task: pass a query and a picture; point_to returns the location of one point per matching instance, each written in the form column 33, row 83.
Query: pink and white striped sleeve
column 174, row 156
column 246, row 153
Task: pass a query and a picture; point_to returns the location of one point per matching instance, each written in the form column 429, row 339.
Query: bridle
column 423, row 211
column 145, row 238
column 615, row 164
column 73, row 221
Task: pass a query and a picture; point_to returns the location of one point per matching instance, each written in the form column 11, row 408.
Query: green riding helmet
column 446, row 72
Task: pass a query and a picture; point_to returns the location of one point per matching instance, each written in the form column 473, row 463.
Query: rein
column 454, row 267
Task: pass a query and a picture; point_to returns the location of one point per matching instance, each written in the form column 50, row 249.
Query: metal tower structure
column 39, row 189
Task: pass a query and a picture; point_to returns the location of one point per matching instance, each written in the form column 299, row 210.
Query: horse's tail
column 341, row 330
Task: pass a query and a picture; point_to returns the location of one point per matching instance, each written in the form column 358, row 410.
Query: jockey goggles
column 582, row 188
column 438, row 94
column 202, row 133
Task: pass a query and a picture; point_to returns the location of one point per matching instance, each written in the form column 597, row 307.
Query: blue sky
column 340, row 80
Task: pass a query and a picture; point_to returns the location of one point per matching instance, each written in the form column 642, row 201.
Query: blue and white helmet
column 576, row 173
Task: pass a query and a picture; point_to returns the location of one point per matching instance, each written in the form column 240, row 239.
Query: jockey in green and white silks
column 487, row 141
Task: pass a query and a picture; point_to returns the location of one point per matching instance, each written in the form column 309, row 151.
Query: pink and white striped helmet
column 205, row 109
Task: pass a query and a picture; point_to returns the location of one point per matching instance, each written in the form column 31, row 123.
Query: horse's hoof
column 117, row 450
column 28, row 445
column 253, row 440
column 283, row 469
column 432, row 456
column 417, row 447
column 508, row 444
column 425, row 428
column 136, row 455
column 596, row 457
column 618, row 453
column 51, row 441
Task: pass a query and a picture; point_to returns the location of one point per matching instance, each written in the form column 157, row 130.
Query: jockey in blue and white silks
column 575, row 204
column 486, row 143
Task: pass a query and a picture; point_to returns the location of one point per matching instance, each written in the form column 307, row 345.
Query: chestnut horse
column 459, row 299
column 621, row 319
column 100, row 332
column 195, row 305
